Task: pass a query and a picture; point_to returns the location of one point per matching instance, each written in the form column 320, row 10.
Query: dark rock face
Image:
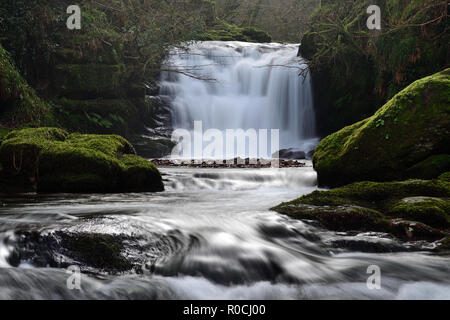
column 51, row 160
column 410, row 128
column 152, row 148
column 290, row 154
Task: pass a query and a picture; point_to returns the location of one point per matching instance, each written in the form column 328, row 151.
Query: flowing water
column 236, row 85
column 211, row 235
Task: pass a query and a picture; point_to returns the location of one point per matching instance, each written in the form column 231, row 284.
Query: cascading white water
column 251, row 86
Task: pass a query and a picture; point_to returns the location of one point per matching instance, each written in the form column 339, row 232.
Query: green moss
column 337, row 218
column 405, row 131
column 228, row 32
column 431, row 211
column 375, row 194
column 98, row 250
column 138, row 172
column 3, row 133
column 19, row 103
column 111, row 145
column 431, row 167
column 370, row 205
column 59, row 162
column 445, row 176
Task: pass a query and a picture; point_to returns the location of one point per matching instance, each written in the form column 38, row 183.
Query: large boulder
column 51, row 160
column 395, row 141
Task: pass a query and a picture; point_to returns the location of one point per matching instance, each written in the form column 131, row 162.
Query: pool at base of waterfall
column 210, row 235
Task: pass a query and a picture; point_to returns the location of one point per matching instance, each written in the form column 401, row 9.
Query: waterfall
column 236, row 85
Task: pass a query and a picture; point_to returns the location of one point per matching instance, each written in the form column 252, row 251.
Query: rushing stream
column 211, row 235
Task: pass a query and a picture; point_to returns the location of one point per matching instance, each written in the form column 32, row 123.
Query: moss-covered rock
column 18, row 101
column 93, row 252
column 56, row 161
column 430, row 168
column 431, row 211
column 372, row 206
column 337, row 218
column 410, row 128
column 101, row 251
column 228, row 32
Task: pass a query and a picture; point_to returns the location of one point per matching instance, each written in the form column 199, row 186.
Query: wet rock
column 61, row 249
column 290, row 154
column 415, row 231
column 152, row 148
column 338, row 218
column 232, row 163
column 375, row 245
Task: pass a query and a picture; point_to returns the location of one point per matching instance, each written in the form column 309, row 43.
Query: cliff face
column 355, row 70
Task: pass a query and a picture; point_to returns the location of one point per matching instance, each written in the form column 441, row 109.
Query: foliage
column 18, row 101
column 284, row 20
column 356, row 70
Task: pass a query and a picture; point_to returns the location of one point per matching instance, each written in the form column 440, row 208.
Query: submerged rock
column 411, row 210
column 395, row 142
column 61, row 249
column 51, row 160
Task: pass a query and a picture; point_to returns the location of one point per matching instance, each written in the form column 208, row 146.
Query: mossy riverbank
column 52, row 160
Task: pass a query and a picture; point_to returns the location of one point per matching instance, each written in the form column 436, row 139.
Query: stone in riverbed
column 51, row 160
column 60, row 249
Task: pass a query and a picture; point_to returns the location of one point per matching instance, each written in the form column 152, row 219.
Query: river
column 211, row 235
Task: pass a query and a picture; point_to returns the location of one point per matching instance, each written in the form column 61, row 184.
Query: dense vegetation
column 95, row 79
column 356, row 70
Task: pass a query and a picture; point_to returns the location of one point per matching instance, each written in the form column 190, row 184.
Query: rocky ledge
column 232, row 163
column 52, row 160
column 410, row 210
